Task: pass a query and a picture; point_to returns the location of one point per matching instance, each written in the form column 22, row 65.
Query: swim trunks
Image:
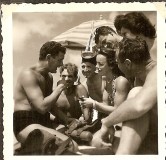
column 22, row 119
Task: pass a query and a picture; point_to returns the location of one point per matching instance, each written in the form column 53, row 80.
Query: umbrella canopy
column 78, row 37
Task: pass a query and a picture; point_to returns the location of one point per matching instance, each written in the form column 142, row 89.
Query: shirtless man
column 67, row 105
column 33, row 95
column 139, row 112
column 94, row 82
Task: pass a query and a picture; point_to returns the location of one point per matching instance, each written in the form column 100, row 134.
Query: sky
column 32, row 29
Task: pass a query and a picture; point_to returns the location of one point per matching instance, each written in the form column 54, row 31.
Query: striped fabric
column 77, row 37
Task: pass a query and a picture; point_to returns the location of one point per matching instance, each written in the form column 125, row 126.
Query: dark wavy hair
column 137, row 23
column 71, row 68
column 103, row 30
column 110, row 54
column 53, row 48
column 135, row 50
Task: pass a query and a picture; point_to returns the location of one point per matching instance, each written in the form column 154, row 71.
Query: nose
column 66, row 78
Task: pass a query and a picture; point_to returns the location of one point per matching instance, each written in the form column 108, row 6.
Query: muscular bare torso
column 69, row 104
column 45, row 82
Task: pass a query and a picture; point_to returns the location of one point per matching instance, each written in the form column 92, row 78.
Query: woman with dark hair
column 107, row 68
column 116, row 86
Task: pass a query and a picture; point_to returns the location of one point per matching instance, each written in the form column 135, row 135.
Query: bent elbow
column 43, row 110
column 141, row 109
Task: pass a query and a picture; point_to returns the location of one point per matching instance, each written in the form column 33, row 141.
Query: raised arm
column 82, row 92
column 138, row 105
column 34, row 92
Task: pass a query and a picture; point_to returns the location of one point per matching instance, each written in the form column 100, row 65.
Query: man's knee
column 22, row 135
column 133, row 92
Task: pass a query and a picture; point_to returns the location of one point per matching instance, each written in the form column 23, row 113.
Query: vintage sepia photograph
column 84, row 82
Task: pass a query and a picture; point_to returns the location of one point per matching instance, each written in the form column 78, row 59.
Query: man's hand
column 86, row 102
column 101, row 139
column 61, row 81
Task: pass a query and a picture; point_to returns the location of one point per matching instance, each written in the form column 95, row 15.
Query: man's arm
column 60, row 115
column 137, row 106
column 34, row 93
column 82, row 92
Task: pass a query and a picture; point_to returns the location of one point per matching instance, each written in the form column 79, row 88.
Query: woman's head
column 106, row 60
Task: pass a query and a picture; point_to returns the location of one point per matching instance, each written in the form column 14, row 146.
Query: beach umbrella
column 78, row 36
column 79, row 41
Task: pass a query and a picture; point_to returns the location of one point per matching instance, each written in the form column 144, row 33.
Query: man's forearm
column 50, row 100
column 58, row 113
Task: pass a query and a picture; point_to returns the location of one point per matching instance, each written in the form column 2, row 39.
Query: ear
column 48, row 57
column 127, row 63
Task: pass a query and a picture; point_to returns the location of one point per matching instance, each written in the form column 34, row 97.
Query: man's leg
column 133, row 131
column 132, row 135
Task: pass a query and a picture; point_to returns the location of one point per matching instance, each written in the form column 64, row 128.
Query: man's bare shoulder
column 81, row 91
column 80, row 87
column 27, row 75
column 122, row 84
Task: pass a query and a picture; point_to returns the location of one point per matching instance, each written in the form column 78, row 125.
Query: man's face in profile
column 55, row 62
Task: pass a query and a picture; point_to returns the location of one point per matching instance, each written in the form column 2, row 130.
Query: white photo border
column 7, row 46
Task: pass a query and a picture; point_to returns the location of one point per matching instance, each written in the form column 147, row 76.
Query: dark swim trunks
column 22, row 119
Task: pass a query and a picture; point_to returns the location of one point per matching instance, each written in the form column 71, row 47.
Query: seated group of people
column 121, row 85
